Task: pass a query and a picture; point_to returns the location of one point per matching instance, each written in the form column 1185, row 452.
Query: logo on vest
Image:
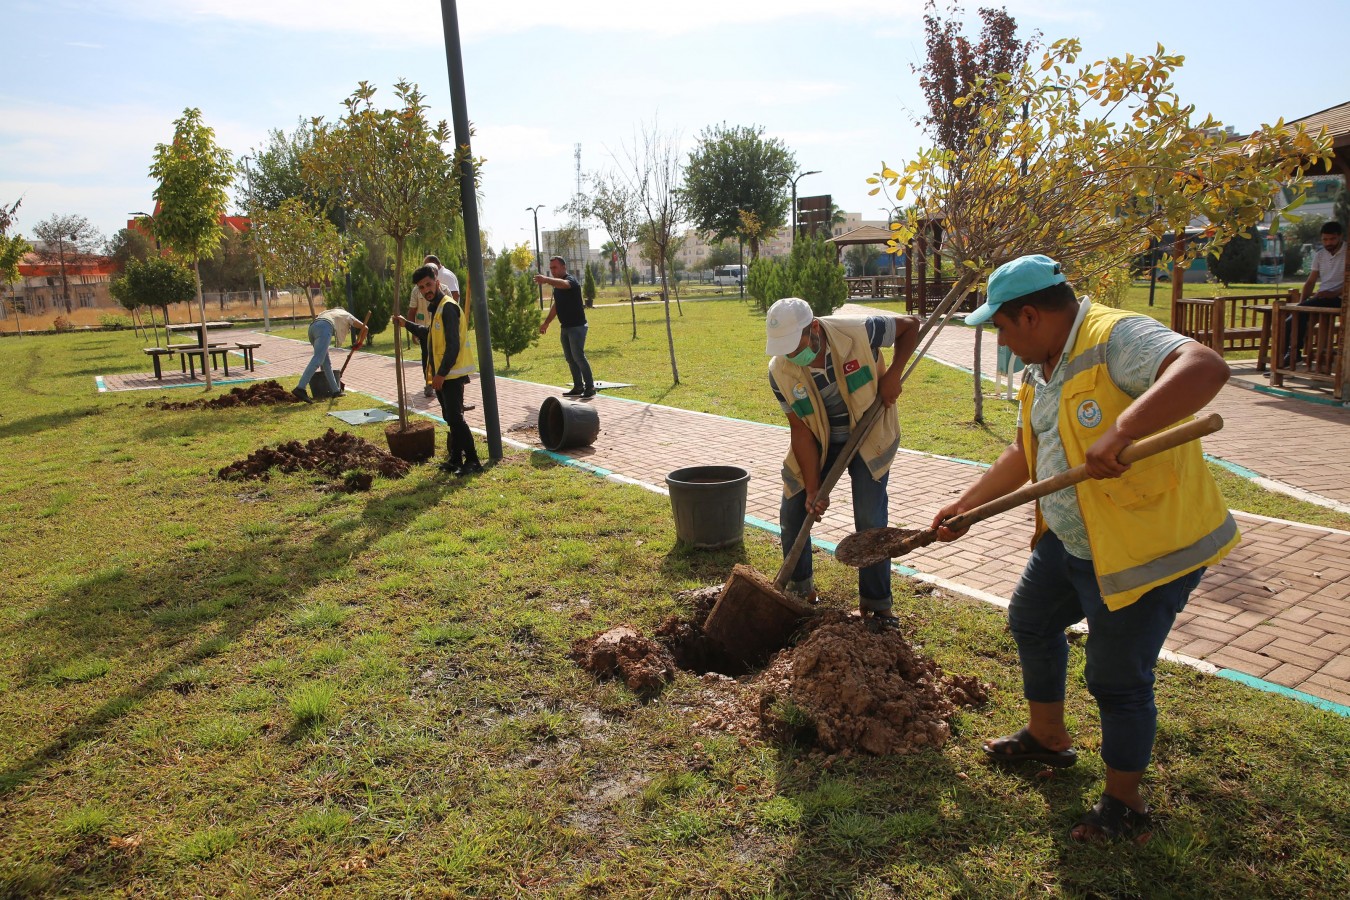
column 851, row 366
column 1089, row 414
column 799, row 392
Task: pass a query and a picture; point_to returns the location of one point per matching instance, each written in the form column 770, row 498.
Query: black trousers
column 460, row 449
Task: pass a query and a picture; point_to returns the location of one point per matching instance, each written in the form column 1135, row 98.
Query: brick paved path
column 1277, row 609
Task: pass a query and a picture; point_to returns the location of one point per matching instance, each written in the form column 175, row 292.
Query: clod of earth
column 339, row 455
column 263, row 393
column 644, row 665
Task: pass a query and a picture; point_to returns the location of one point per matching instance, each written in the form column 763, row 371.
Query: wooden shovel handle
column 1141, row 449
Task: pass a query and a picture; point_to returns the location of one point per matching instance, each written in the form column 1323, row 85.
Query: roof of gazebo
column 866, row 234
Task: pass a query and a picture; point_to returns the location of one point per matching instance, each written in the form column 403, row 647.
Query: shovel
column 878, row 544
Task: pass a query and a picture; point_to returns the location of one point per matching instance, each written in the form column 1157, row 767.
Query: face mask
column 806, row 355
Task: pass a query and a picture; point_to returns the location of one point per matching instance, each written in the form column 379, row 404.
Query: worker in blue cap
column 1122, row 550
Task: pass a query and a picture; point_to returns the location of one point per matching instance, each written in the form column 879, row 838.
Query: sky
column 93, row 85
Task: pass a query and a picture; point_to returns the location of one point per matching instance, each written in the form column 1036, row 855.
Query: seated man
column 1329, row 269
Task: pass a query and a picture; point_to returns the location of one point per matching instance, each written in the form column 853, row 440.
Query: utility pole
column 538, row 267
column 577, row 210
column 257, row 255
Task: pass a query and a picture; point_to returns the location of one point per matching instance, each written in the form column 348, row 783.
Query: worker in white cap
column 825, row 373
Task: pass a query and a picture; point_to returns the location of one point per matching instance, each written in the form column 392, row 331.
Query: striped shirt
column 880, row 333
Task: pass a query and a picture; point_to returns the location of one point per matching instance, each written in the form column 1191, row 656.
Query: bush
column 512, row 309
column 1293, row 261
column 588, row 287
column 62, row 324
column 370, row 294
column 1238, row 260
column 810, row 272
column 113, row 321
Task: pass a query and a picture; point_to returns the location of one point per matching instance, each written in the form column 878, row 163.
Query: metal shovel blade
column 874, row 545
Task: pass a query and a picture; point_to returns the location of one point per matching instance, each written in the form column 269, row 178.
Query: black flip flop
column 1115, row 821
column 1022, row 747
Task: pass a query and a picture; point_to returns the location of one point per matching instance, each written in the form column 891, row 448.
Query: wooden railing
column 1310, row 343
column 1231, row 323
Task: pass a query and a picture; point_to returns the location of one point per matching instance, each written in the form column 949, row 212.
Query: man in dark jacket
column 447, row 364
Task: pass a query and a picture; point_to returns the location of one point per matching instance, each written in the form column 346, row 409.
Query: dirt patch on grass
column 644, row 665
column 262, row 393
column 843, row 687
column 337, row 454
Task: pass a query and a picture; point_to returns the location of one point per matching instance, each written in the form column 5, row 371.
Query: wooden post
column 1178, row 276
column 923, row 273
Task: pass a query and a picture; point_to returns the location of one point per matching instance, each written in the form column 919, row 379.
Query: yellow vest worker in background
column 447, row 365
column 1123, row 550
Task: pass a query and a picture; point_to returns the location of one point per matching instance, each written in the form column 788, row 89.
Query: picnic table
column 199, row 330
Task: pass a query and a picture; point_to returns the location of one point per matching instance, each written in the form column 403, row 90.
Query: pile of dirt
column 862, row 690
column 262, row 393
column 338, row 454
column 644, row 665
column 844, row 687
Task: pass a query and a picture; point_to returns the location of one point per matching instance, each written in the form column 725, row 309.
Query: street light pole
column 257, row 255
column 794, row 202
column 537, row 267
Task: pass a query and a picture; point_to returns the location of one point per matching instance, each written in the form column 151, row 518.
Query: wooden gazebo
column 927, row 241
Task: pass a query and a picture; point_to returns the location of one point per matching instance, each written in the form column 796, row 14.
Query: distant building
column 39, row 288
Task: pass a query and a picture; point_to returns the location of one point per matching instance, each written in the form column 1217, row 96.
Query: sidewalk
column 1276, row 612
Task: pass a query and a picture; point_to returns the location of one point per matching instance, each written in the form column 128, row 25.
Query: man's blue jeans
column 574, row 351
column 869, row 511
column 1057, row 590
column 320, row 335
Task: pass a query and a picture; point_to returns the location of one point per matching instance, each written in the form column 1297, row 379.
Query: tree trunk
column 398, row 344
column 670, row 335
column 632, row 304
column 309, row 298
column 979, row 385
column 201, row 307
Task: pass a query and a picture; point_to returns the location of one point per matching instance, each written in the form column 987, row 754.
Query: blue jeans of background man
column 1057, row 589
column 869, row 511
column 321, row 336
column 574, row 351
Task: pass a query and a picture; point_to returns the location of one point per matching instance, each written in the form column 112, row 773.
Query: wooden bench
column 247, row 350
column 1230, row 324
column 156, row 353
column 219, row 353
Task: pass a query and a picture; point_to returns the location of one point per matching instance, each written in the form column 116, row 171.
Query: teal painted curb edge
column 1292, row 395
column 104, row 389
column 1234, row 467
column 1269, row 687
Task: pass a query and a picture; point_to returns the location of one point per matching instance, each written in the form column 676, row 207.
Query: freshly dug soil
column 262, row 393
column 864, row 548
column 865, row 691
column 338, row 454
column 843, row 687
column 644, row 665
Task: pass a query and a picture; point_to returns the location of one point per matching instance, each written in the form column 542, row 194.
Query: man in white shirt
column 1328, row 273
column 337, row 323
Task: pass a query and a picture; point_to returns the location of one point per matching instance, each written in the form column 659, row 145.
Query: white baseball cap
column 784, row 324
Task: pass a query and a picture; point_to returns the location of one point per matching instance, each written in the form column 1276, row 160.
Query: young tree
column 588, row 286
column 512, row 314
column 67, row 241
column 1239, row 259
column 153, row 281
column 614, row 205
column 13, row 248
column 234, row 267
column 1107, row 158
column 733, row 170
column 369, row 294
column 194, row 175
column 815, row 276
column 391, row 169
column 654, row 172
column 953, row 65
column 298, row 246
column 128, row 244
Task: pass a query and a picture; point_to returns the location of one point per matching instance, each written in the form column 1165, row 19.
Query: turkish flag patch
column 851, row 366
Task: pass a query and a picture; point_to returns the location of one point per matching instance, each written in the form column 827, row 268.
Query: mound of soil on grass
column 338, row 454
column 644, row 665
column 843, row 687
column 861, row 690
column 262, row 393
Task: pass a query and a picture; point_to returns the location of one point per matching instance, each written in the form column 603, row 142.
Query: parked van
column 724, row 275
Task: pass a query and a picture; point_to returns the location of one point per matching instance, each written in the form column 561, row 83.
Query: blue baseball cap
column 1024, row 275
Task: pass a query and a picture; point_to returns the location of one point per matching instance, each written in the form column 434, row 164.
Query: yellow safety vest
column 856, row 370
column 1161, row 519
column 464, row 364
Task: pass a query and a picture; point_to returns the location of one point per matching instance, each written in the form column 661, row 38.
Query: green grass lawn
column 252, row 689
